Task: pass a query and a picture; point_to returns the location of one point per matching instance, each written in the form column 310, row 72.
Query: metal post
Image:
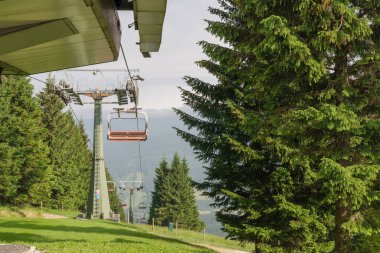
column 98, row 200
column 204, row 234
column 153, row 224
column 131, row 205
column 176, row 226
column 41, row 205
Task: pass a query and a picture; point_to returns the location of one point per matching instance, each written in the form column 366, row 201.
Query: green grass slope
column 87, row 236
column 197, row 237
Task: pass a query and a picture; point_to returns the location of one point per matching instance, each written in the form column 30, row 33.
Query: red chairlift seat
column 128, row 135
column 142, row 205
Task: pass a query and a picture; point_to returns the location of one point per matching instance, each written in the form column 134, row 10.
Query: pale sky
column 184, row 26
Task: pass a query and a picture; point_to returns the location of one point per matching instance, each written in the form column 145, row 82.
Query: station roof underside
column 42, row 35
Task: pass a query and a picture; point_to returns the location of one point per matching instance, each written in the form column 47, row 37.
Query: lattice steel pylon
column 131, row 186
column 98, row 204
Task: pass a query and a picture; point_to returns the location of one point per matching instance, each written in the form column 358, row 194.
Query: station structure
column 38, row 36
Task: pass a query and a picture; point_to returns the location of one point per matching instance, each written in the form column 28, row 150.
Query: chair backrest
column 130, row 132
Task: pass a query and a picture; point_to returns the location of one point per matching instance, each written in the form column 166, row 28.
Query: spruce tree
column 25, row 162
column 69, row 152
column 190, row 218
column 290, row 131
column 9, row 174
column 161, row 173
column 44, row 154
column 174, row 199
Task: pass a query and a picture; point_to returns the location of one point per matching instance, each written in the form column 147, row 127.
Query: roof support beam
column 11, row 70
column 17, row 38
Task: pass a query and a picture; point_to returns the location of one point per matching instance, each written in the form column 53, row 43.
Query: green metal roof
column 149, row 18
column 43, row 35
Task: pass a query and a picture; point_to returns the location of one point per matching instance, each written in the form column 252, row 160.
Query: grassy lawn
column 196, row 237
column 73, row 236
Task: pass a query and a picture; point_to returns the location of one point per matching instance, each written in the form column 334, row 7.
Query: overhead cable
column 76, row 117
column 130, row 77
column 126, row 63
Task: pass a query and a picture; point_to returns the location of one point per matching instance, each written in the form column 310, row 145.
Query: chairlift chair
column 133, row 114
column 142, row 205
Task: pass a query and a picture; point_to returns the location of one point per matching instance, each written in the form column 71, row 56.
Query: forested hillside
column 44, row 154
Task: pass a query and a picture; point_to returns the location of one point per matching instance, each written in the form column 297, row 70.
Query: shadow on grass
column 122, row 240
column 25, row 237
column 35, row 226
column 10, row 237
column 33, row 238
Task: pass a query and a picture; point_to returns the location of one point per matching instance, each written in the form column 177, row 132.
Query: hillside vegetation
column 44, row 154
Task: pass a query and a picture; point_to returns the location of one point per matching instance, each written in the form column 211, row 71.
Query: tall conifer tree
column 174, row 197
column 9, row 174
column 44, row 155
column 23, row 147
column 290, row 131
column 69, row 152
column 190, row 214
column 161, row 173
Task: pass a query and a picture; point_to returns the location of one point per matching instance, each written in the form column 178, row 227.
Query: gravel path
column 216, row 249
column 221, row 250
column 16, row 248
column 52, row 216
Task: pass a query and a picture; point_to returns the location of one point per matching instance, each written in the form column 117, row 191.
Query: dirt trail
column 217, row 249
column 53, row 216
column 17, row 248
column 221, row 250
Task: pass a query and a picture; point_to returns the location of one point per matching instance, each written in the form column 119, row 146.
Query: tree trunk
column 342, row 212
column 341, row 61
column 342, row 215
